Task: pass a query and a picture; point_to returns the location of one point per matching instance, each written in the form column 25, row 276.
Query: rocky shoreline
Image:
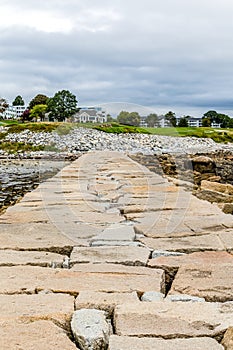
column 81, row 140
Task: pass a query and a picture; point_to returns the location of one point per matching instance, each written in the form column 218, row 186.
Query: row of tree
column 64, row 104
column 61, row 106
column 153, row 120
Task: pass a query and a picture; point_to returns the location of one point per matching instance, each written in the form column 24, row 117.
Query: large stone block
column 45, row 259
column 132, row 343
column 103, row 301
column 115, row 254
column 55, row 307
column 199, row 258
column 173, row 320
column 227, row 341
column 29, row 279
column 211, row 281
column 39, row 335
column 185, row 244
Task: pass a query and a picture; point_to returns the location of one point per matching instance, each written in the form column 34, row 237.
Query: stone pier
column 108, row 255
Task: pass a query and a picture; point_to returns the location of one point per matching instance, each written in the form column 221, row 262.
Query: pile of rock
column 82, row 140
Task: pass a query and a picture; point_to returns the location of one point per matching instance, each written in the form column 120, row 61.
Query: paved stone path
column 108, row 255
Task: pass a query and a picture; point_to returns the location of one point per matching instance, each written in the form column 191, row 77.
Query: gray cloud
column 161, row 54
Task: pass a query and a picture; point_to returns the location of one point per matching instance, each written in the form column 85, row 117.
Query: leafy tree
column 26, row 116
column 3, row 105
column 128, row 118
column 39, row 99
column 215, row 117
column 62, row 105
column 38, row 112
column 110, row 118
column 206, row 122
column 18, row 101
column 152, row 120
column 183, row 122
column 211, row 115
column 230, row 124
column 171, row 118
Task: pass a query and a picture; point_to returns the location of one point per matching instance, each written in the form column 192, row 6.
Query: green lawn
column 218, row 135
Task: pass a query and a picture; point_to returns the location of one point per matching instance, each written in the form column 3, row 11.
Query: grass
column 121, row 129
column 218, row 135
column 14, row 147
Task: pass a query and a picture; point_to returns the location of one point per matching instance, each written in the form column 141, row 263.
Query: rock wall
column 209, row 176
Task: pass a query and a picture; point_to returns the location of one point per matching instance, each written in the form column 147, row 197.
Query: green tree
column 211, row 115
column 128, row 118
column 38, row 112
column 230, row 124
column 215, row 117
column 223, row 120
column 18, row 101
column 152, row 120
column 206, row 122
column 171, row 118
column 183, row 122
column 62, row 105
column 110, row 118
column 39, row 99
column 3, row 105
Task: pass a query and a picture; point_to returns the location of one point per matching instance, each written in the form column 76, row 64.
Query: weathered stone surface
column 185, row 244
column 12, row 257
column 90, row 329
column 182, row 222
column 126, row 343
column 39, row 335
column 227, row 341
column 34, row 236
column 103, row 301
column 226, row 238
column 184, row 297
column 211, row 282
column 114, row 254
column 213, row 196
column 118, row 232
column 197, row 258
column 55, row 307
column 152, row 296
column 29, row 279
column 203, row 164
column 217, row 187
column 158, row 253
column 227, row 208
column 116, row 243
column 173, row 320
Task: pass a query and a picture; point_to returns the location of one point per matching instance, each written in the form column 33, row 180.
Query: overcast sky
column 162, row 54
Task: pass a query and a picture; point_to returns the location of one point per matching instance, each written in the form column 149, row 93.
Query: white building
column 13, row 112
column 90, row 115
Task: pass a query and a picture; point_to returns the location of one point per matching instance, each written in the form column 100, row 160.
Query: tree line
column 59, row 107
column 64, row 104
column 153, row 120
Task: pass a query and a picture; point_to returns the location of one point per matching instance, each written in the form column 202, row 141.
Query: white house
column 13, row 112
column 90, row 115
